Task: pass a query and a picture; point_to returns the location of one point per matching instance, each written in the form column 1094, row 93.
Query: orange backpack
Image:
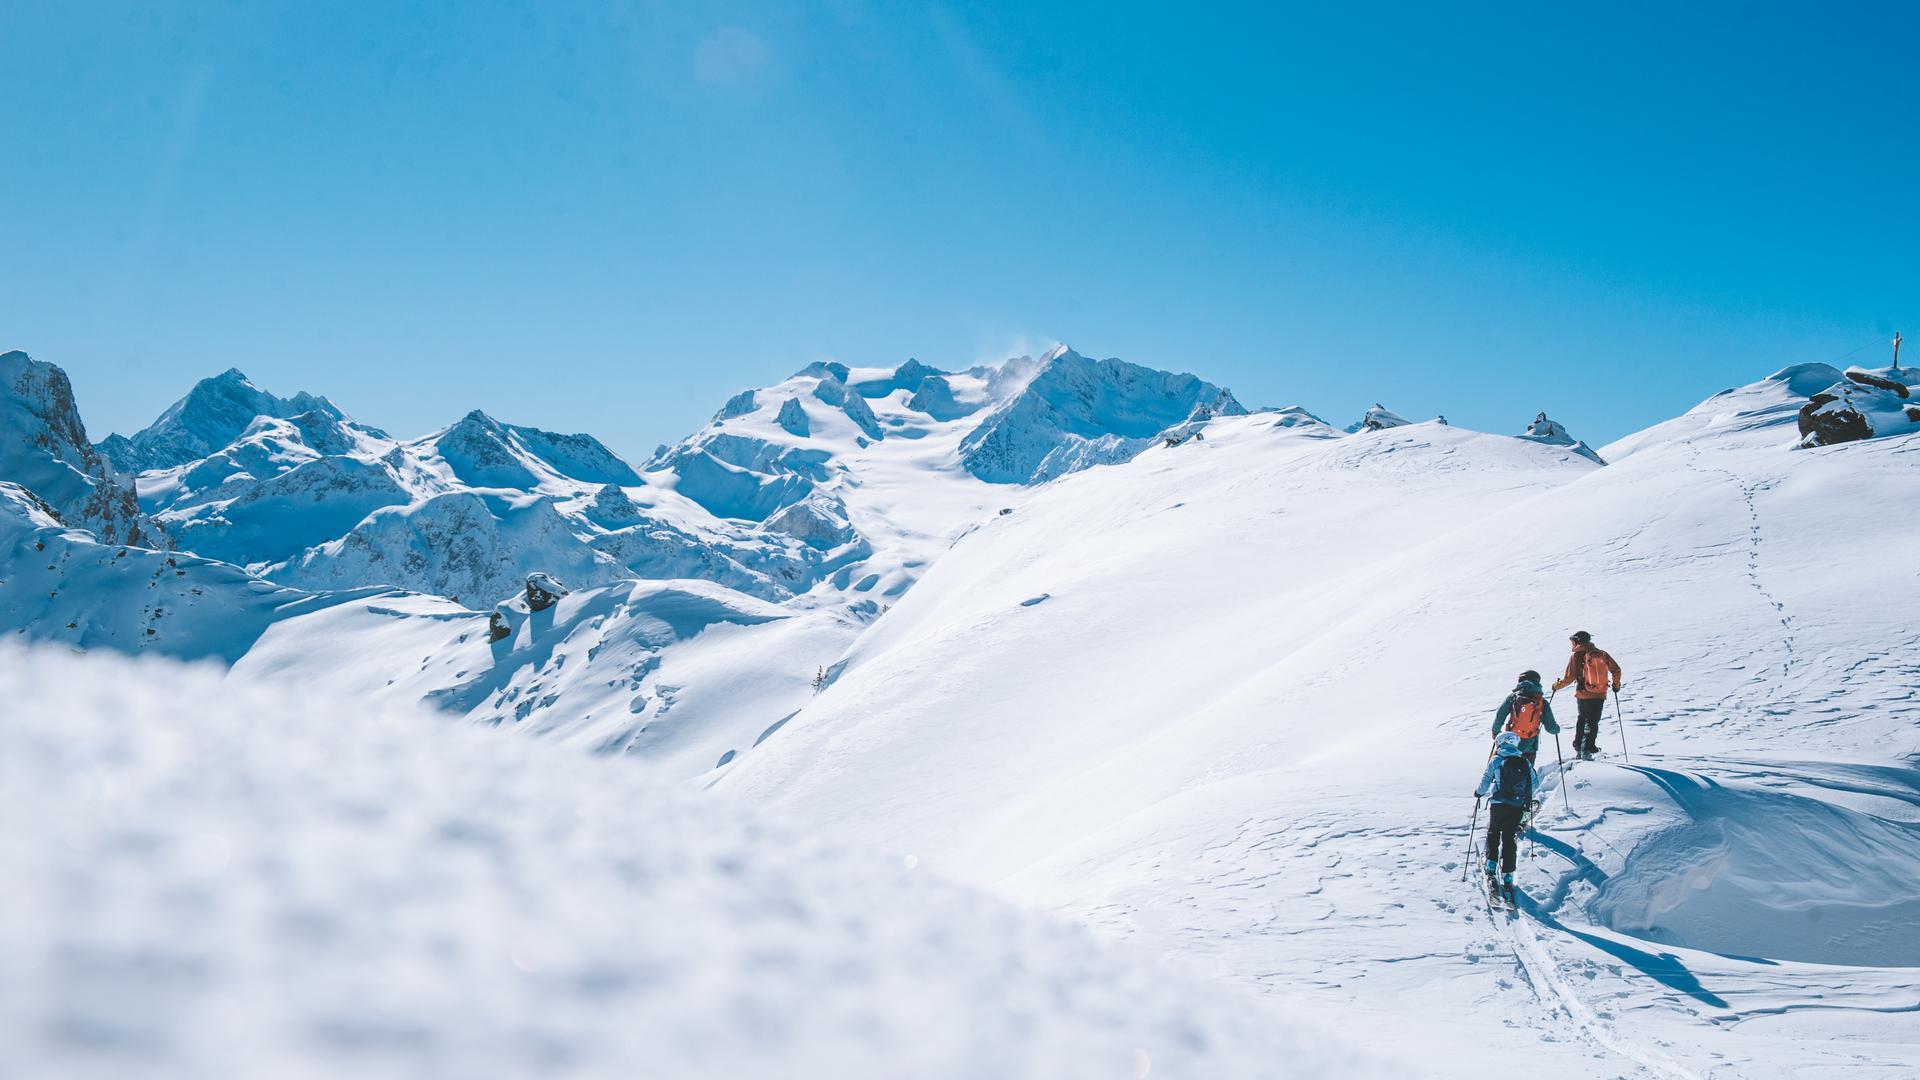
column 1594, row 671
column 1524, row 720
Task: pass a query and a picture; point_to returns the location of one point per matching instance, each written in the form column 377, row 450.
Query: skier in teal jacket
column 1524, row 713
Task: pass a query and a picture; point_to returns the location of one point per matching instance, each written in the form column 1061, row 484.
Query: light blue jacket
column 1508, row 746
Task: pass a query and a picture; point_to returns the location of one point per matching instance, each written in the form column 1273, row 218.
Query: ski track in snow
column 1748, row 494
column 1349, row 898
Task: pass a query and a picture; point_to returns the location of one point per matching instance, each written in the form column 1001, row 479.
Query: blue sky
column 607, row 217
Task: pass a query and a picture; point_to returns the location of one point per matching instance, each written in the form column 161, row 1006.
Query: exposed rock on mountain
column 45, row 450
column 1378, row 418
column 59, row 583
column 543, row 592
column 793, row 419
column 1551, row 433
column 1074, row 413
column 1863, row 404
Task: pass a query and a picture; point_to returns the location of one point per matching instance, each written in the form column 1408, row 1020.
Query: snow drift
column 230, row 881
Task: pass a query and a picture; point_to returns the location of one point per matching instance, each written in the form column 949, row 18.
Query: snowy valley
column 1096, row 639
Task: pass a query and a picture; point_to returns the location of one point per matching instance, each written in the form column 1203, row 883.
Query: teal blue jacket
column 1547, row 723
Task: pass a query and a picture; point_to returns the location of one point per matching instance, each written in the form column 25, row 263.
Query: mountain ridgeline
column 710, row 589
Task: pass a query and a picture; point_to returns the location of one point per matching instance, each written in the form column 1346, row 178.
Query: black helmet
column 1582, row 637
column 1529, row 676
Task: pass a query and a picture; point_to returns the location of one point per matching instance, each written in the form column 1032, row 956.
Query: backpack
column 1594, row 671
column 1524, row 720
column 1514, row 786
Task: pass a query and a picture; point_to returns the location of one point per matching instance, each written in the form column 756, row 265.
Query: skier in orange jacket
column 1591, row 669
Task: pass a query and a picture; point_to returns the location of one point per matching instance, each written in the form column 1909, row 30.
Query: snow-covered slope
column 683, row 673
column 1223, row 695
column 226, row 880
column 44, row 448
column 62, row 585
column 1229, row 699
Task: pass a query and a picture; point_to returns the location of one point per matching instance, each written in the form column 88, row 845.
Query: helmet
column 1508, row 744
column 1582, row 637
column 1529, row 675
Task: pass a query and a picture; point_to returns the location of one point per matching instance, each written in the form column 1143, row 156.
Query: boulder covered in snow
column 543, row 592
column 1378, row 418
column 1552, row 433
column 1864, row 404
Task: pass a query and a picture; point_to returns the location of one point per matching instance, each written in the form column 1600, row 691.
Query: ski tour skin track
column 1516, row 916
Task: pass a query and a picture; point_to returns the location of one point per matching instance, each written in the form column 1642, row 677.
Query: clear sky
column 607, row 217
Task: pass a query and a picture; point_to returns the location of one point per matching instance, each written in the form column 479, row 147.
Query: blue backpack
column 1514, row 786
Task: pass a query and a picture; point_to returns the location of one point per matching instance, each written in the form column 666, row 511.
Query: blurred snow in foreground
column 211, row 879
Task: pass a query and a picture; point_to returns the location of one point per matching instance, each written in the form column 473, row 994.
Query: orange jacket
column 1572, row 677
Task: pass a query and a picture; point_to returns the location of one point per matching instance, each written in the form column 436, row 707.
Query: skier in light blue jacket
column 1510, row 782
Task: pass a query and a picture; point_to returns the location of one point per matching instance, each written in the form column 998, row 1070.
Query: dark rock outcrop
column 1863, row 405
column 46, row 451
column 543, row 592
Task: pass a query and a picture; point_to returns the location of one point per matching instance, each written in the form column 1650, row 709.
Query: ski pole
column 1568, row 799
column 1623, row 726
column 1472, row 823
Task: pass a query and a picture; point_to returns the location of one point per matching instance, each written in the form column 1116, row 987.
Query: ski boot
column 1506, row 889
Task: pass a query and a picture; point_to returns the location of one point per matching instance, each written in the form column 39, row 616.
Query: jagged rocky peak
column 45, row 450
column 213, row 414
column 485, row 452
column 1072, row 412
column 793, row 418
column 739, row 404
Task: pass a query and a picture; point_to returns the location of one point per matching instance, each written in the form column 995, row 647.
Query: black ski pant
column 1503, row 834
column 1586, row 734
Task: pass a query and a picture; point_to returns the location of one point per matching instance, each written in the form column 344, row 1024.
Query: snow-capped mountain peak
column 481, row 451
column 1072, row 412
column 218, row 410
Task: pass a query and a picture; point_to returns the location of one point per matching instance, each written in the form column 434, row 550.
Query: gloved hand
column 1616, row 686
